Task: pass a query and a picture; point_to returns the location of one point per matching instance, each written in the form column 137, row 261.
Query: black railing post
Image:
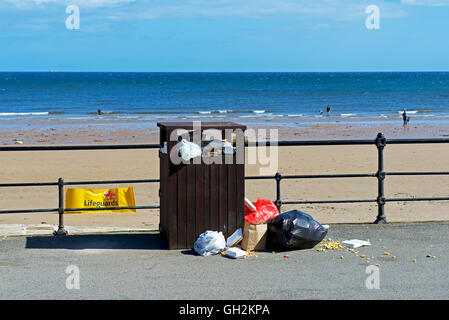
column 278, row 201
column 381, row 142
column 61, row 231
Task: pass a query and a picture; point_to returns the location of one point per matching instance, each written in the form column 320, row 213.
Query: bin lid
column 188, row 125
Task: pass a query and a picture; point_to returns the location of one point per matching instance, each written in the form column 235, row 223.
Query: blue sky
column 224, row 35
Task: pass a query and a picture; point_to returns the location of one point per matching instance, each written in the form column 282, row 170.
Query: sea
column 260, row 96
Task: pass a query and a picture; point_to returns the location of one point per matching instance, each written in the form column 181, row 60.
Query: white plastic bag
column 188, row 150
column 219, row 145
column 164, row 148
column 209, row 243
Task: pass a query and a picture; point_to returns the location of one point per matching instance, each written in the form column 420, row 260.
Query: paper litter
column 355, row 243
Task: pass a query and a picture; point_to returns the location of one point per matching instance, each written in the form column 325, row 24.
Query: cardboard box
column 254, row 237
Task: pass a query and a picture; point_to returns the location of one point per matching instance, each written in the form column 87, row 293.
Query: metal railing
column 380, row 142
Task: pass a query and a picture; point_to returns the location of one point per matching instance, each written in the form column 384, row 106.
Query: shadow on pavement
column 189, row 252
column 98, row 241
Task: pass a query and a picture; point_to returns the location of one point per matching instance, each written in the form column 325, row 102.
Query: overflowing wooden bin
column 196, row 197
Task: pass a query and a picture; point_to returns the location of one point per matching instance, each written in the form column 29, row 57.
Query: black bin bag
column 294, row 230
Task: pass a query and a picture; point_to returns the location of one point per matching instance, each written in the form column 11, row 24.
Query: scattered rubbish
column 235, row 238
column 377, row 265
column 252, row 254
column 19, row 142
column 363, row 256
column 255, row 228
column 265, row 210
column 386, row 253
column 249, row 205
column 188, row 150
column 355, row 243
column 210, row 243
column 326, row 226
column 227, row 147
column 287, row 256
column 220, row 145
column 333, row 245
column 254, row 237
column 235, row 253
column 414, row 260
column 294, row 230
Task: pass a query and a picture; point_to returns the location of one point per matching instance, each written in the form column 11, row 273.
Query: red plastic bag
column 266, row 210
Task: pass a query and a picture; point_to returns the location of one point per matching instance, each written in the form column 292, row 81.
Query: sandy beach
column 46, row 166
column 112, row 130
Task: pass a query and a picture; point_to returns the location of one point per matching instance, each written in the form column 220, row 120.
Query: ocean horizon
column 266, row 96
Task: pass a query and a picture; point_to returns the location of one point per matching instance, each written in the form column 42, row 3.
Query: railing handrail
column 303, row 176
column 79, row 147
column 247, row 144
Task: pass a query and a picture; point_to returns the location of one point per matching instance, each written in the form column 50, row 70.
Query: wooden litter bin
column 198, row 197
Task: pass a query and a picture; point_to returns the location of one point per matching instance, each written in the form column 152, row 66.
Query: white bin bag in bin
column 209, row 243
column 188, row 150
column 220, row 145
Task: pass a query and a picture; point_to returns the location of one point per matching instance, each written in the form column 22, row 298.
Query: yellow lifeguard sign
column 100, row 198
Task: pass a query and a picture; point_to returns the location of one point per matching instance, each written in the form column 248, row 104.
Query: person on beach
column 404, row 118
column 321, row 112
column 99, row 112
column 328, row 110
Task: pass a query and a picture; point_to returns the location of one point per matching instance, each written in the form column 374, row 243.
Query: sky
column 224, row 35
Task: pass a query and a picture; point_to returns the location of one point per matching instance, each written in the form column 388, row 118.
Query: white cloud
column 301, row 9
column 85, row 3
column 331, row 9
column 320, row 26
column 431, row 3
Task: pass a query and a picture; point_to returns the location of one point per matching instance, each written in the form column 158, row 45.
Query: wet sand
column 111, row 131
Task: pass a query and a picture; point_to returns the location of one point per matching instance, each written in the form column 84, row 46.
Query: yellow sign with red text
column 100, row 198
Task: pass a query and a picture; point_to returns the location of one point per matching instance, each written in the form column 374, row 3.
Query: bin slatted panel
column 196, row 197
